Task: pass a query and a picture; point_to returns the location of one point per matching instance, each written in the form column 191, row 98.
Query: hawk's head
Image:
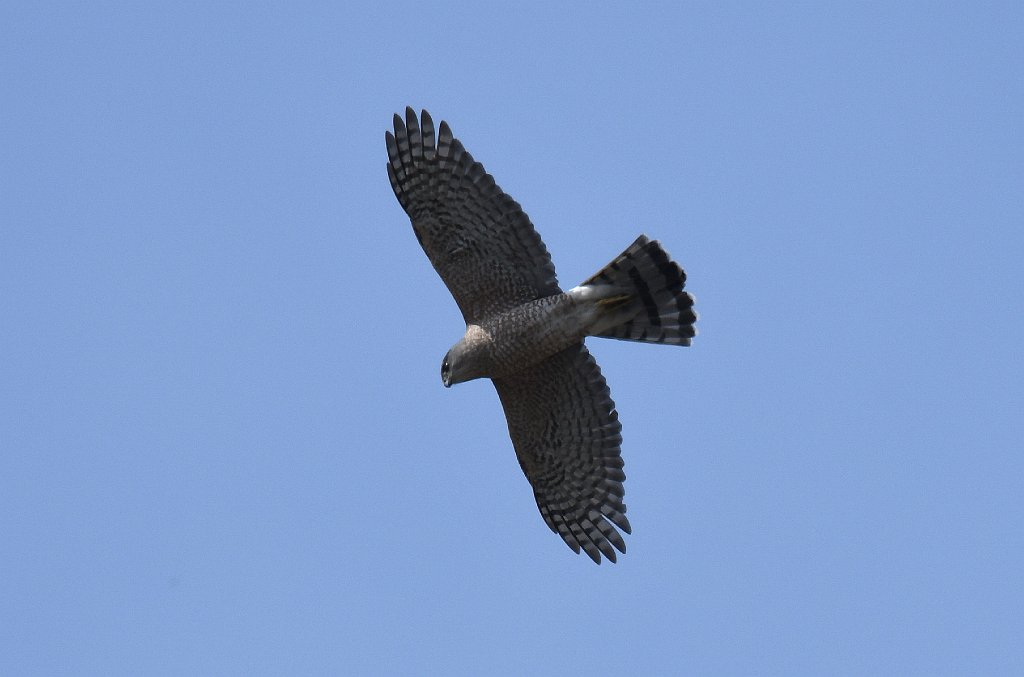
column 456, row 367
column 468, row 359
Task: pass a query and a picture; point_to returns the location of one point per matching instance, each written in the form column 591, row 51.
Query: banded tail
column 639, row 297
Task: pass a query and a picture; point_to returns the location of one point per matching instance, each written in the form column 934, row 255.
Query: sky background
column 224, row 443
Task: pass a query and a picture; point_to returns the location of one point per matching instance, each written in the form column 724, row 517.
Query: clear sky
column 224, row 443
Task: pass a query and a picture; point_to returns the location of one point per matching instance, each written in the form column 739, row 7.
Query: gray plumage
column 526, row 334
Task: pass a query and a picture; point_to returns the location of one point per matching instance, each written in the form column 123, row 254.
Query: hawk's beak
column 447, row 382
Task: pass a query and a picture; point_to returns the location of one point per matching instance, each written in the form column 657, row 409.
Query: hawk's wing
column 564, row 427
column 478, row 238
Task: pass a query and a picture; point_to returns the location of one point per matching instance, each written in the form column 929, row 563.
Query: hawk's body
column 501, row 345
column 526, row 334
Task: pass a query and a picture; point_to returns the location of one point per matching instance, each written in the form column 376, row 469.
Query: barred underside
column 478, row 238
column 566, row 433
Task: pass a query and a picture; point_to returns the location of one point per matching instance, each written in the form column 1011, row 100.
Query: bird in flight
column 527, row 335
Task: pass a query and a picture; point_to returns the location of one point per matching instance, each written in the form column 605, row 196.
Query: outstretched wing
column 566, row 433
column 478, row 238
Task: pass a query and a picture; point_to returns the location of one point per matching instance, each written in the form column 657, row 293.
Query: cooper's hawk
column 526, row 334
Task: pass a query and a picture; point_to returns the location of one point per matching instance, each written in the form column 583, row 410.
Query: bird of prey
column 527, row 335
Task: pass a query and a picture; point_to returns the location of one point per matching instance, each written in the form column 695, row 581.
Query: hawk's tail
column 639, row 297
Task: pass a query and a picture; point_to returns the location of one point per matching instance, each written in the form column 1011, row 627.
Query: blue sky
column 224, row 444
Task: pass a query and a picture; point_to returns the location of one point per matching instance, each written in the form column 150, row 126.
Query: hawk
column 527, row 335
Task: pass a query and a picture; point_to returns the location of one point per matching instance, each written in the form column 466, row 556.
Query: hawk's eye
column 445, row 368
